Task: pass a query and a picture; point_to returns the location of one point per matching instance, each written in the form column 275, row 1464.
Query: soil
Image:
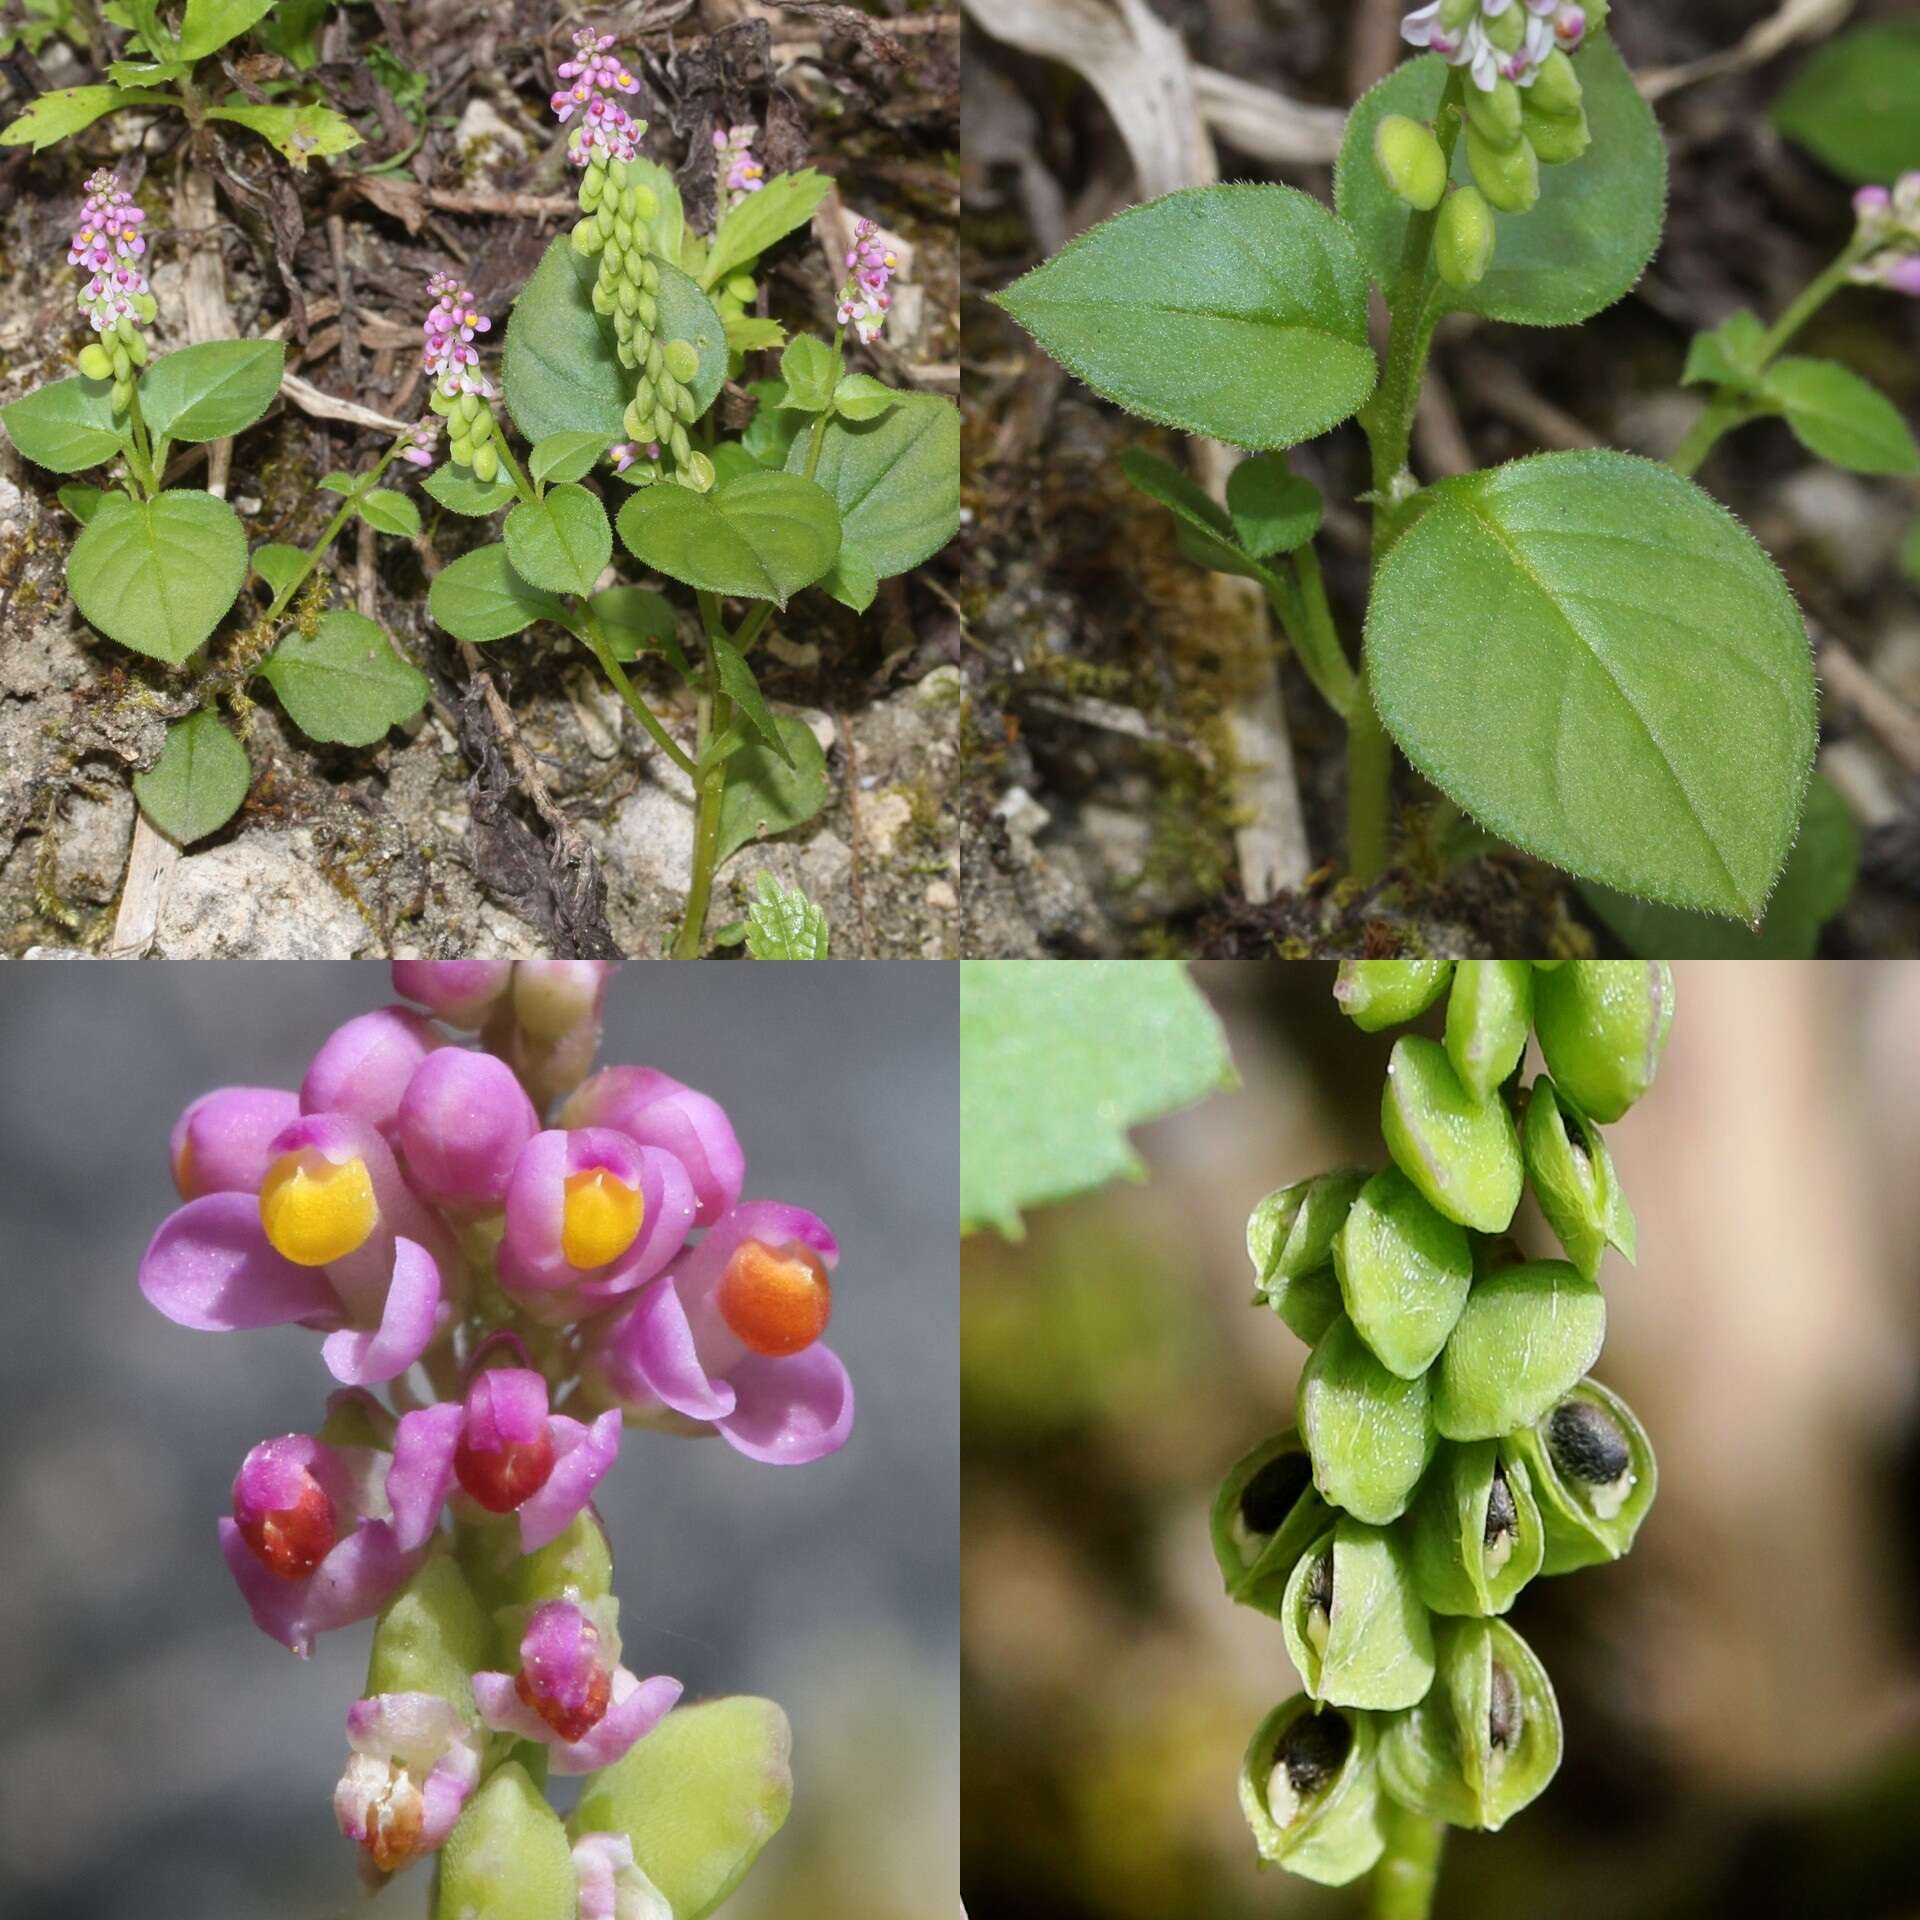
column 1100, row 800
column 433, row 842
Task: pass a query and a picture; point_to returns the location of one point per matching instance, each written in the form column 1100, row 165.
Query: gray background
column 160, row 1757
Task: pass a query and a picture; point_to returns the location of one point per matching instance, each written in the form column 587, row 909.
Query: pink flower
column 421, row 441
column 415, row 1761
column 447, row 353
column 593, row 78
column 654, row 1110
column 740, row 173
column 864, row 299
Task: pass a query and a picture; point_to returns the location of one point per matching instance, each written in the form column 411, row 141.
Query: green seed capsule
column 593, row 183
column 634, row 421
column 1485, row 1741
column 1495, row 115
column 1265, row 1516
column 602, row 299
column 1370, row 1432
column 1310, row 1789
column 642, row 202
column 460, row 450
column 1290, row 1238
column 682, row 359
column 122, row 396
column 1488, row 1013
column 650, row 275
column 648, row 311
column 1573, row 1179
column 677, row 437
column 1556, row 90
column 683, row 406
column 1355, row 1628
column 1464, row 240
column 1525, row 1336
column 135, row 341
column 486, row 463
column 585, row 237
column 1602, row 1025
column 1475, row 1530
column 1404, row 1271
column 1462, row 1154
column 629, row 297
column 1555, row 140
column 1594, row 1475
column 94, row 362
column 1384, row 993
column 1510, row 180
column 122, row 363
column 656, row 361
column 662, row 420
column 1505, row 32
column 623, row 231
column 697, row 473
column 1410, row 161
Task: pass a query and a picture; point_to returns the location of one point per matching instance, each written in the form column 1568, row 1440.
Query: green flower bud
column 94, row 362
column 507, row 1855
column 1573, row 1179
column 682, row 360
column 1594, row 1473
column 1462, row 1154
column 1556, row 91
column 1556, row 141
column 1476, row 1532
column 1265, row 1516
column 697, row 473
column 486, row 463
column 1410, row 161
column 1384, row 993
column 1488, row 1014
column 1404, row 1271
column 1310, row 1789
column 698, row 1797
column 1524, row 1337
column 1486, row 1739
column 1454, row 14
column 1596, row 11
column 1495, row 115
column 432, row 1638
column 1370, row 1432
column 1602, row 1024
column 1290, row 1238
column 1510, row 180
column 1355, row 1627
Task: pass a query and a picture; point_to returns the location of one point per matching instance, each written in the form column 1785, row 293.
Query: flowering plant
column 1581, row 651
column 524, row 1292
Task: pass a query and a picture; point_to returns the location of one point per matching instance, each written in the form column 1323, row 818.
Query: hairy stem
column 826, row 413
column 1318, row 646
column 1403, row 1883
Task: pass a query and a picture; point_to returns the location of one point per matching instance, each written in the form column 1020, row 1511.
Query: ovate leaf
column 783, row 924
column 1581, row 248
column 157, row 575
column 636, row 620
column 344, row 682
column 388, row 512
column 66, row 110
column 210, row 391
column 82, row 502
column 1730, row 355
column 277, row 565
column 199, row 782
column 807, row 369
column 459, row 492
column 762, row 535
column 1853, row 104
column 301, row 133
column 1057, row 1062
column 767, row 793
column 1203, row 527
column 1237, row 311
column 565, row 456
column 739, row 685
column 66, row 426
column 560, row 541
column 479, row 598
column 212, row 23
column 1274, row 511
column 1600, row 664
column 745, row 232
column 1840, row 418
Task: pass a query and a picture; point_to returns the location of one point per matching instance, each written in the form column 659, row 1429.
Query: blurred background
column 161, row 1758
column 1741, row 1694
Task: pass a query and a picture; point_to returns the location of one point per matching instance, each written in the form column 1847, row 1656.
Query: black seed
column 1268, row 1497
column 1320, row 1584
column 1501, row 1514
column 1505, row 1714
column 1586, row 1443
column 1314, row 1749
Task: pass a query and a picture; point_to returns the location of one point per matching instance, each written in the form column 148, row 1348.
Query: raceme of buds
column 527, row 1287
column 1452, row 1445
column 1888, row 221
column 457, row 390
column 1497, row 40
column 107, row 244
column 864, row 299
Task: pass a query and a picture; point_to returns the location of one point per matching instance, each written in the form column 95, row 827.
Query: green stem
column 1728, row 409
column 318, row 551
column 710, row 788
column 826, row 413
column 140, row 453
column 596, row 641
column 1403, row 1882
column 1318, row 645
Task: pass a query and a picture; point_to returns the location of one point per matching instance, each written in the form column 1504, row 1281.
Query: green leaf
column 637, row 620
column 566, row 456
column 212, row 23
column 782, row 923
column 211, row 391
column 1057, row 1063
column 738, row 683
column 1205, row 531
column 745, row 232
column 294, row 31
column 749, row 333
column 1274, row 511
column 479, row 598
column 896, row 481
column 768, row 793
column 1820, row 875
column 698, row 1797
column 277, row 564
column 1237, row 311
column 388, row 512
column 66, row 426
column 807, row 369
column 158, row 575
column 344, row 682
column 763, row 535
column 459, row 492
column 774, row 426
column 337, row 482
column 668, row 226
column 851, row 580
column 1730, row 355
column 301, row 133
column 1840, row 418
column 82, row 502
column 66, row 110
column 1852, row 104
column 562, row 372
column 859, row 396
column 1599, row 663
column 199, row 782
column 1581, row 248
column 148, row 73
column 561, row 541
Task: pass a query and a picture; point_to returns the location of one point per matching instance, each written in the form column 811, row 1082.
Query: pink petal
column 504, row 1711
column 582, row 1458
column 463, row 1121
column 656, row 1110
column 352, row 1583
column 406, row 1324
column 638, row 1707
column 421, row 1476
column 461, row 992
column 363, row 1068
column 790, row 1408
column 654, row 1349
column 210, row 1267
column 220, row 1143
